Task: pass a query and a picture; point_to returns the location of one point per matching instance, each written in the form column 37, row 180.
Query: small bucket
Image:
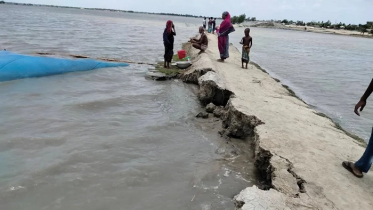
column 181, row 54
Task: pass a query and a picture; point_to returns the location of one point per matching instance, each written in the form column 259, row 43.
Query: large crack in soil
column 239, row 125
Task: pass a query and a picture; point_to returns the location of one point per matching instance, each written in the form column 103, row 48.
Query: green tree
column 238, row 19
column 241, row 18
column 2, row 2
column 351, row 27
column 253, row 19
column 312, row 23
column 234, row 19
column 363, row 30
column 370, row 24
column 326, row 24
column 285, row 21
column 300, row 23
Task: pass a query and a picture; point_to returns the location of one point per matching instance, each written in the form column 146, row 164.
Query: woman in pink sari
column 225, row 29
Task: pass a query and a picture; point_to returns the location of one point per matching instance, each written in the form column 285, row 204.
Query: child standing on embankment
column 247, row 42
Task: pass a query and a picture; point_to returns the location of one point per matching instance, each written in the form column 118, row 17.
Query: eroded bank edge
column 358, row 139
column 239, row 125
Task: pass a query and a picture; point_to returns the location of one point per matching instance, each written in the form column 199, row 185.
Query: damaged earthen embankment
column 297, row 152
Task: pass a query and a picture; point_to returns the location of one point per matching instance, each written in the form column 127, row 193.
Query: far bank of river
column 264, row 24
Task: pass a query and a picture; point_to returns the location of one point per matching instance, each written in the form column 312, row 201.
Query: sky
column 346, row 11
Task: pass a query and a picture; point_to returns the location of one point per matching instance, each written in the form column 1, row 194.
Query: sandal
column 347, row 165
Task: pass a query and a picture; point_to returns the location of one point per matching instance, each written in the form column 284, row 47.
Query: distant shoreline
column 102, row 9
column 264, row 24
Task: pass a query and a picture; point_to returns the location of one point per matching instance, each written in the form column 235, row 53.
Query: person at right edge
column 363, row 165
column 168, row 41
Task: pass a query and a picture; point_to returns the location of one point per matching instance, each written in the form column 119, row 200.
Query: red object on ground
column 181, row 54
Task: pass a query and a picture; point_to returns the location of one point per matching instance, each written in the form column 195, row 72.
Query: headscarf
column 226, row 24
column 169, row 27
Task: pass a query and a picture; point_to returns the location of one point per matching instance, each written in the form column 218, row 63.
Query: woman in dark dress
column 168, row 41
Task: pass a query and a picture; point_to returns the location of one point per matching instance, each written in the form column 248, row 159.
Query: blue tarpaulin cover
column 16, row 66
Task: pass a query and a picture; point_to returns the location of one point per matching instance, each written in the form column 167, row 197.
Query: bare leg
column 197, row 46
column 164, row 65
column 246, row 65
column 242, row 64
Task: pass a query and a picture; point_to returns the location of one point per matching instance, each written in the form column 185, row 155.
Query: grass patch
column 173, row 70
column 175, row 58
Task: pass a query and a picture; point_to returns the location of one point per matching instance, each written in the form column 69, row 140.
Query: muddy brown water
column 111, row 139
column 108, row 139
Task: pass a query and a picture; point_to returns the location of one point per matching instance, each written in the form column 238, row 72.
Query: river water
column 108, row 139
column 111, row 139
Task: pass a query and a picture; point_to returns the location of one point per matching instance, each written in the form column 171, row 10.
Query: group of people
column 226, row 27
column 211, row 25
column 363, row 165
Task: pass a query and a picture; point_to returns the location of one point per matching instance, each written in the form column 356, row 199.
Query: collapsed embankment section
column 213, row 91
column 212, row 88
column 297, row 152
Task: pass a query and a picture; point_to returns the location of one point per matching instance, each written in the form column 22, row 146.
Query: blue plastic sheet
column 15, row 66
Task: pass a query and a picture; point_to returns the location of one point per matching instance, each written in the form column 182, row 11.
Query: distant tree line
column 238, row 19
column 251, row 19
column 182, row 15
column 112, row 10
column 242, row 18
column 363, row 28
